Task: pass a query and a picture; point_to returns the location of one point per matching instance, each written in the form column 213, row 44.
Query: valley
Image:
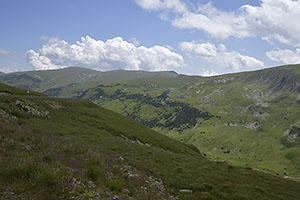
column 250, row 119
column 65, row 149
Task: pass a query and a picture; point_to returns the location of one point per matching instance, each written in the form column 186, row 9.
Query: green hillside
column 8, row 90
column 251, row 118
column 74, row 149
column 73, row 81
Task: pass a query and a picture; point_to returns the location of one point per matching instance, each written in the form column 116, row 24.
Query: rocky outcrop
column 31, row 108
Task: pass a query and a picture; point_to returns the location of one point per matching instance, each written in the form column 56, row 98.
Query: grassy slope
column 72, row 81
column 269, row 97
column 11, row 90
column 59, row 149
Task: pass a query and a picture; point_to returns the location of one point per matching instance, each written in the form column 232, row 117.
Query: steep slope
column 249, row 118
column 66, row 149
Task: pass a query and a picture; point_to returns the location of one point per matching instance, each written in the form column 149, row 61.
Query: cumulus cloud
column 220, row 55
column 284, row 56
column 276, row 20
column 4, row 52
column 216, row 23
column 134, row 41
column 112, row 54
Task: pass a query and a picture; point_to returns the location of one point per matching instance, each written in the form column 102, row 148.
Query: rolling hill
column 250, row 118
column 73, row 81
column 73, row 149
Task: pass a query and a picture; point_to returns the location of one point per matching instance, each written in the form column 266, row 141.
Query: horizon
column 202, row 38
column 173, row 71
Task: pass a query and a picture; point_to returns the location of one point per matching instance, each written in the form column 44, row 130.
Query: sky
column 187, row 36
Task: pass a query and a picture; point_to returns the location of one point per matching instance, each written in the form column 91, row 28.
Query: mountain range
column 249, row 119
column 73, row 149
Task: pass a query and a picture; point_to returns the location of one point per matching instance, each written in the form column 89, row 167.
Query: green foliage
column 21, row 172
column 81, row 142
column 11, row 90
column 94, row 172
column 242, row 118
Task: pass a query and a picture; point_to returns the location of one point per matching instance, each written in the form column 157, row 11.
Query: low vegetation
column 79, row 150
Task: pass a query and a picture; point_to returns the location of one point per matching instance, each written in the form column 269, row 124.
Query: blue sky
column 192, row 37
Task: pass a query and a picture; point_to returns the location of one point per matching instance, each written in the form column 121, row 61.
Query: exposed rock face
column 253, row 125
column 7, row 117
column 219, row 92
column 256, row 112
column 31, row 108
column 224, row 80
column 255, row 95
column 276, row 79
column 207, row 99
column 293, row 134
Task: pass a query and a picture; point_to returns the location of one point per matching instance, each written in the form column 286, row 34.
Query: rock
column 31, row 108
column 293, row 134
column 219, row 92
column 185, row 191
column 253, row 125
column 200, row 92
column 207, row 99
column 224, row 80
column 231, row 124
column 7, row 117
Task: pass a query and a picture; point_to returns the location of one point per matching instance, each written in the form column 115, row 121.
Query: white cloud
column 271, row 20
column 4, row 52
column 134, row 41
column 220, row 55
column 275, row 19
column 285, row 56
column 112, row 54
column 216, row 23
column 10, row 68
column 208, row 73
column 173, row 5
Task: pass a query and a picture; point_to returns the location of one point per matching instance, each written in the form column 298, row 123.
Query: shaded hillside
column 64, row 149
column 165, row 113
column 279, row 79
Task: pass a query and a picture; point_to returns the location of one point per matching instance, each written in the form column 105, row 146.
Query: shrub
column 24, row 171
column 93, row 172
column 48, row 178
